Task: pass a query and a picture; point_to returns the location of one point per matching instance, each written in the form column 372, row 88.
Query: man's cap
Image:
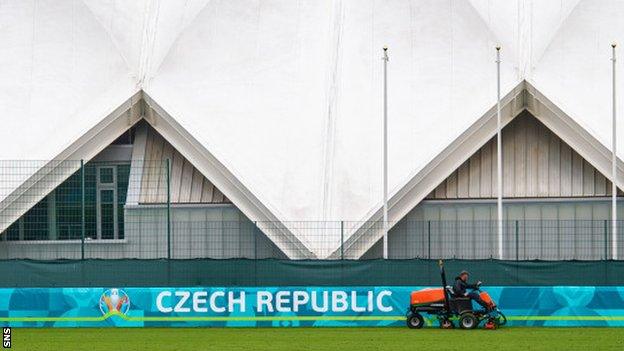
column 464, row 272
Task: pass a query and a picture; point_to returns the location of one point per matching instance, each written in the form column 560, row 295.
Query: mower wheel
column 415, row 321
column 468, row 321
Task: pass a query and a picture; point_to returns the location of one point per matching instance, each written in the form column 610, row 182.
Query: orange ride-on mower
column 442, row 303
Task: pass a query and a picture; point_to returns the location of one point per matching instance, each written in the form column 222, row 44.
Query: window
column 36, row 222
column 107, row 175
column 107, row 220
column 123, row 177
column 68, row 207
column 13, row 232
column 59, row 215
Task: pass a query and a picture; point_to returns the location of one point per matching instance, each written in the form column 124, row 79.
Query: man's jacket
column 460, row 287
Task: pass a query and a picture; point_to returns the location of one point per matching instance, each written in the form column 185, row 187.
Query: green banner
column 270, row 272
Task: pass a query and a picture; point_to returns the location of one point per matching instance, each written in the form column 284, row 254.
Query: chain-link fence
column 166, row 209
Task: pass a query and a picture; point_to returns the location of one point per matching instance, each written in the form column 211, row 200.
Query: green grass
column 361, row 339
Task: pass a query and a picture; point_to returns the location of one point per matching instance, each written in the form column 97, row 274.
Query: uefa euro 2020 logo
column 114, row 301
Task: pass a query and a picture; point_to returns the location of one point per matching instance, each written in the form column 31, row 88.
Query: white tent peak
column 525, row 28
column 144, row 30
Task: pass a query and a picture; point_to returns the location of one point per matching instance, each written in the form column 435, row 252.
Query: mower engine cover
column 487, row 299
column 426, row 296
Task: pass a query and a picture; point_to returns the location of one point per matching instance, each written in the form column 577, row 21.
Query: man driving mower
column 461, row 286
column 450, row 303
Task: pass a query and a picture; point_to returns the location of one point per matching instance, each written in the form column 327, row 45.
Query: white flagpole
column 385, row 152
column 614, row 248
column 499, row 158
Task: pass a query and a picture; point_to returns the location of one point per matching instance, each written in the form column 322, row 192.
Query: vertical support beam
column 137, row 165
column 614, row 250
column 499, row 158
column 385, row 152
column 256, row 231
column 82, row 209
column 606, row 240
column 517, row 241
column 429, row 239
column 342, row 240
column 168, row 163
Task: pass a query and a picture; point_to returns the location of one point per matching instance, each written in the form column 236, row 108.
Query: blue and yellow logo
column 114, row 301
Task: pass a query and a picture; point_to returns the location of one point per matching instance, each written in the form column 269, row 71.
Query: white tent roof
column 60, row 74
column 287, row 95
column 575, row 70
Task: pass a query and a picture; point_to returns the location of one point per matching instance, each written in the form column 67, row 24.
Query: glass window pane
column 12, row 233
column 107, row 212
column 123, row 175
column 36, row 222
column 106, row 197
column 68, row 208
column 106, row 175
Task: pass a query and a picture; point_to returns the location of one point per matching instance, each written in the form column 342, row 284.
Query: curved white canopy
column 60, row 74
column 288, row 95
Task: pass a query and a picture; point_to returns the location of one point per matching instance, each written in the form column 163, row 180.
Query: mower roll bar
column 446, row 294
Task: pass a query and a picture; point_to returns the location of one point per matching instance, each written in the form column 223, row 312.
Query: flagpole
column 499, row 158
column 385, row 152
column 614, row 248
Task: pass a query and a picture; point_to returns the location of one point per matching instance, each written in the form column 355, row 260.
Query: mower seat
column 461, row 304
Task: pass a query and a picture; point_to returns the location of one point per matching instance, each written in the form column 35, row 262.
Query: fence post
column 428, row 239
column 456, row 227
column 82, row 210
column 168, row 210
column 342, row 240
column 517, row 241
column 606, row 241
column 256, row 232
column 255, row 243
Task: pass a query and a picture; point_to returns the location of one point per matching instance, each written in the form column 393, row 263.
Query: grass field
column 319, row 339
